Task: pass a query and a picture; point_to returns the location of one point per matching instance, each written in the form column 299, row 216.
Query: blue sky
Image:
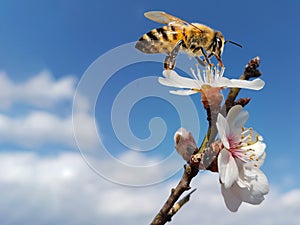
column 48, row 47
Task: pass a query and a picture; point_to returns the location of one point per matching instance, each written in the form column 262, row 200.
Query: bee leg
column 220, row 61
column 200, row 61
column 205, row 57
column 168, row 65
column 170, row 59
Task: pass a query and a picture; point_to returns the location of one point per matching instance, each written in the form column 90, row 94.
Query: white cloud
column 36, row 129
column 63, row 190
column 40, row 128
column 40, row 90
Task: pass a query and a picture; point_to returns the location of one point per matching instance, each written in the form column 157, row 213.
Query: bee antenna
column 232, row 42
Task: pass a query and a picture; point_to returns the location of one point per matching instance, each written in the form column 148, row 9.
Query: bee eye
column 219, row 42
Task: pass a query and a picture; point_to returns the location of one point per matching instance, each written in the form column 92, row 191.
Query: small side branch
column 163, row 215
column 250, row 71
column 179, row 204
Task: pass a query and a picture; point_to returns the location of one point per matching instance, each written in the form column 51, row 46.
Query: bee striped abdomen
column 163, row 32
column 160, row 40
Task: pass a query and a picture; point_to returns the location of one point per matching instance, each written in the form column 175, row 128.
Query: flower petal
column 254, row 154
column 222, row 82
column 232, row 202
column 255, row 84
column 183, row 92
column 259, row 181
column 228, row 169
column 223, row 130
column 252, row 187
column 236, row 118
column 172, row 79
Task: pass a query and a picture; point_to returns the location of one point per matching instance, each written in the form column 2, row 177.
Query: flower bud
column 184, row 143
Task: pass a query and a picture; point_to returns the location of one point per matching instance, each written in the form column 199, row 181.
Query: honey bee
column 195, row 39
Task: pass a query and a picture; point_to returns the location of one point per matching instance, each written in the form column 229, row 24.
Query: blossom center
column 208, row 76
column 240, row 145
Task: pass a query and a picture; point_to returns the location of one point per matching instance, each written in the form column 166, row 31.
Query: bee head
column 218, row 46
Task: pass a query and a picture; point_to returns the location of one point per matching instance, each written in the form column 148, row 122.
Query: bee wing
column 165, row 18
column 162, row 17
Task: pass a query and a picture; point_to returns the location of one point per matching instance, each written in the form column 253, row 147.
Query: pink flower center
column 244, row 139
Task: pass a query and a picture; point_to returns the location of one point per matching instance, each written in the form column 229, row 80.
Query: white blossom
column 210, row 77
column 239, row 161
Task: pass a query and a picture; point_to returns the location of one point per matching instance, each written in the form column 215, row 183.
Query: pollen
column 251, row 157
column 250, row 136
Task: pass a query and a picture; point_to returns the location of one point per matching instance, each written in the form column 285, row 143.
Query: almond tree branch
column 205, row 152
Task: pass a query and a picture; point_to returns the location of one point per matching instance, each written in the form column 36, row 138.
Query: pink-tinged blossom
column 239, row 161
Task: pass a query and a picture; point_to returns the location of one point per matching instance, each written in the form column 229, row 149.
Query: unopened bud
column 184, row 143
